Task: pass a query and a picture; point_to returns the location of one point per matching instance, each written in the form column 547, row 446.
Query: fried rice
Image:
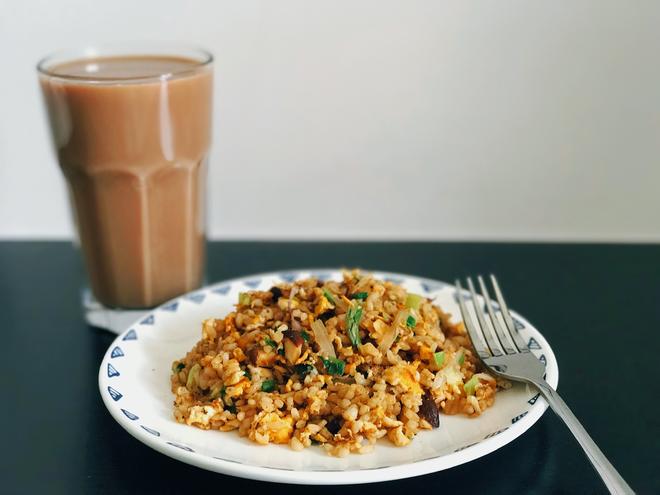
column 339, row 364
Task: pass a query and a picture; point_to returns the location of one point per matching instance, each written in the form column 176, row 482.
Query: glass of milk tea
column 131, row 127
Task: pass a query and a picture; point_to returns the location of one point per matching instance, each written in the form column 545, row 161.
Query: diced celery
column 244, row 299
column 192, row 376
column 216, row 390
column 471, row 385
column 413, row 301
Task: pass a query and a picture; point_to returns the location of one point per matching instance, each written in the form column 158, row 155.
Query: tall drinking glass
column 131, row 126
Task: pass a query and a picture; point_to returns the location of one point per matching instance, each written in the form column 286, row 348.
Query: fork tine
column 499, row 331
column 473, row 331
column 492, row 343
column 513, row 331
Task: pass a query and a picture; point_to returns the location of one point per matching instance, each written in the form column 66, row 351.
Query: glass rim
column 203, row 58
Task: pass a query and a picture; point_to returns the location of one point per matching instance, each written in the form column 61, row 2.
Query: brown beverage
column 132, row 135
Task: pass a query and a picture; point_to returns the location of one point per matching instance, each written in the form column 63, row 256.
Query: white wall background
column 380, row 119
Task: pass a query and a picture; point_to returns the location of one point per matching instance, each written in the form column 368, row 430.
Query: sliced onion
column 341, row 304
column 485, row 376
column 294, row 291
column 362, row 283
column 400, row 318
column 388, row 338
column 323, row 339
column 393, row 332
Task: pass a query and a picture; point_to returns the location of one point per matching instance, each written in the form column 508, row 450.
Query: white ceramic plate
column 134, row 381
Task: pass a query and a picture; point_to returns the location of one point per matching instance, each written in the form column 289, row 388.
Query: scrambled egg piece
column 382, row 420
column 404, row 375
column 278, row 429
column 322, row 306
column 209, row 331
column 238, row 389
column 380, row 329
column 426, row 354
column 200, row 416
column 397, row 437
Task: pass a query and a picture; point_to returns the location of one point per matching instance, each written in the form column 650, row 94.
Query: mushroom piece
column 334, row 424
column 429, row 411
column 276, row 292
column 293, row 343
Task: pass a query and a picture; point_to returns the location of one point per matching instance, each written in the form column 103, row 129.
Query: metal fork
column 505, row 353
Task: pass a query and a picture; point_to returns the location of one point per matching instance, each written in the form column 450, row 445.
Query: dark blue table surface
column 598, row 306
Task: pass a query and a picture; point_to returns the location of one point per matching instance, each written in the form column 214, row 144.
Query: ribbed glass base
column 113, row 320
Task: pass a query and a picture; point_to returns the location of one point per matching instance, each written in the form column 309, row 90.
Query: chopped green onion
column 231, row 408
column 334, row 366
column 248, row 374
column 268, row 385
column 461, row 358
column 303, row 369
column 280, row 351
column 305, row 336
column 411, row 321
column 192, row 376
column 176, row 367
column 353, row 317
column 360, row 295
column 244, row 299
column 328, row 296
column 270, row 342
column 413, row 301
column 439, row 358
column 471, row 385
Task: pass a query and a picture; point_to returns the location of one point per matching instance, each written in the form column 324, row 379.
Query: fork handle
column 612, row 479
